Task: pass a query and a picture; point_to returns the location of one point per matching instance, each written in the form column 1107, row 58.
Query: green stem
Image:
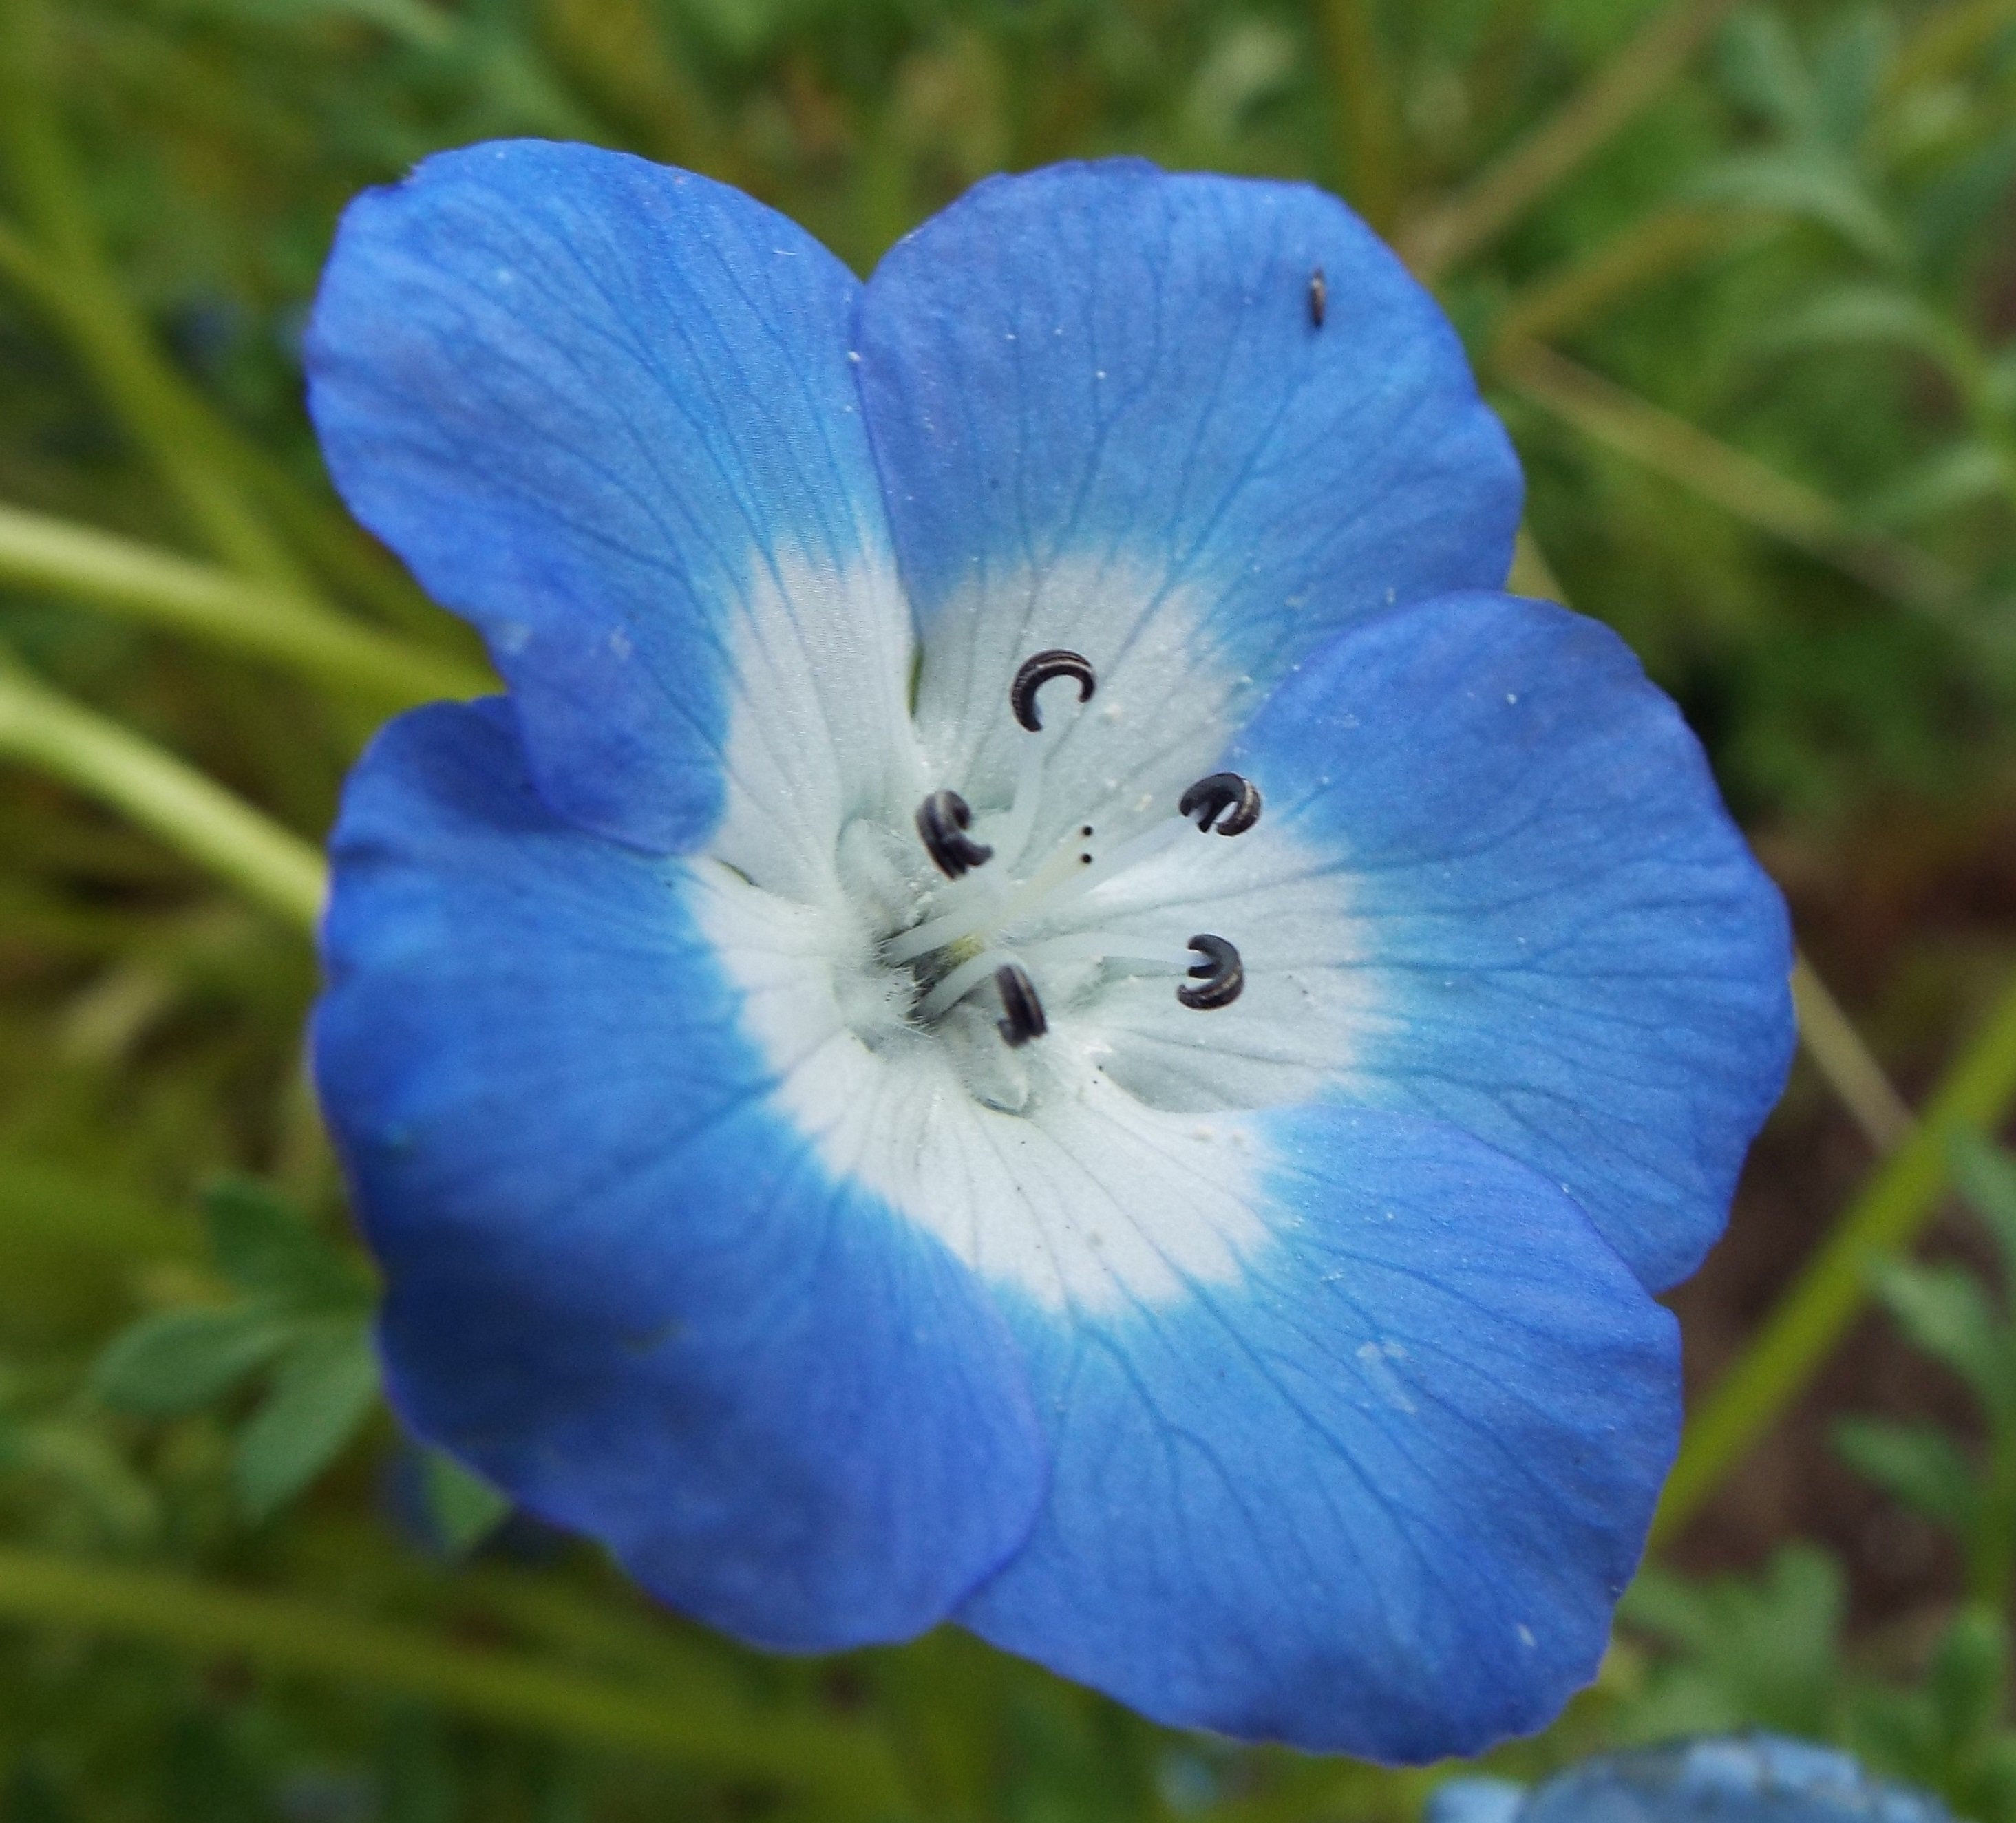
column 1567, row 297
column 79, row 285
column 847, row 1767
column 100, row 570
column 1737, row 483
column 198, row 818
column 354, row 563
column 1367, row 124
column 1851, row 1069
column 1532, row 575
column 1629, row 83
column 1978, row 1092
column 220, row 478
column 1951, row 40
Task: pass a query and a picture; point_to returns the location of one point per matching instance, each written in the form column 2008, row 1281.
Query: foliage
column 1752, row 329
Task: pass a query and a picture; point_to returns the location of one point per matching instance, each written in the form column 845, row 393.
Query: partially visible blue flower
column 835, row 1128
column 1749, row 1778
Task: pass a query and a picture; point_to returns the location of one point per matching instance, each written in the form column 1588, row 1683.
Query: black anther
column 1319, row 297
column 941, row 821
column 1238, row 799
column 1219, row 977
column 1025, row 1018
column 1038, row 671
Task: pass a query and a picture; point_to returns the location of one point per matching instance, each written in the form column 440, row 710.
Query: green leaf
column 1945, row 1311
column 1812, row 186
column 1922, row 1467
column 1969, row 1673
column 174, row 1361
column 265, row 1245
column 81, row 1459
column 321, row 1396
column 1992, row 1796
column 1878, row 316
column 1746, row 1652
column 1760, row 63
column 1985, row 1175
column 1847, row 69
column 1961, row 474
column 464, row 1508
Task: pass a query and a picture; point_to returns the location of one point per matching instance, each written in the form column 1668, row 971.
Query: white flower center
column 1107, row 1162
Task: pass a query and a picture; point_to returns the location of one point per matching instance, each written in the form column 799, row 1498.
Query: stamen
column 1117, row 860
column 1319, row 298
column 1066, row 859
column 1037, row 671
column 1240, row 798
column 942, row 820
column 1220, row 977
column 947, row 994
column 951, row 927
column 1025, row 1018
column 1015, row 834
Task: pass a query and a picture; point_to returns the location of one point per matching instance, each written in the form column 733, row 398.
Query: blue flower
column 1039, row 1008
column 1750, row 1778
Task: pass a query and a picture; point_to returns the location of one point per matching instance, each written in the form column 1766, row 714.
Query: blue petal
column 1757, row 1779
column 1105, row 420
column 1379, row 1496
column 605, row 411
column 1548, row 931
column 621, row 1285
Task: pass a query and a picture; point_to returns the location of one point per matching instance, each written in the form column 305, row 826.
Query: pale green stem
column 100, row 570
column 848, row 1768
column 1532, row 575
column 1976, row 1093
column 1655, row 244
column 193, row 815
column 1362, row 92
column 1850, row 1068
column 1737, row 483
column 353, row 560
column 1951, row 39
column 78, row 285
column 1631, row 81
column 218, row 475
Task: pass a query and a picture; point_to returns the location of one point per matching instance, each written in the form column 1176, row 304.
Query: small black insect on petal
column 942, row 819
column 1226, row 799
column 1024, row 1011
column 1034, row 672
column 1319, row 297
column 1219, row 977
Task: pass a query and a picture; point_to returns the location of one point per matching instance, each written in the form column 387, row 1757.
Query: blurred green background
column 1742, row 280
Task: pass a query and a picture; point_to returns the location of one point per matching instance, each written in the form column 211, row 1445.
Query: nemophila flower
column 1746, row 1778
column 1038, row 1009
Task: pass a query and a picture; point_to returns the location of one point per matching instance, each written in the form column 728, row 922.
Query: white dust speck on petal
column 1374, row 1359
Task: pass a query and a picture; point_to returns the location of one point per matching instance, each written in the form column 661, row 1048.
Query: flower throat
column 955, row 952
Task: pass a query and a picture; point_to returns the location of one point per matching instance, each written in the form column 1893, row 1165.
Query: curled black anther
column 1319, row 298
column 1220, row 976
column 1226, row 799
column 1025, row 1018
column 941, row 821
column 1036, row 672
